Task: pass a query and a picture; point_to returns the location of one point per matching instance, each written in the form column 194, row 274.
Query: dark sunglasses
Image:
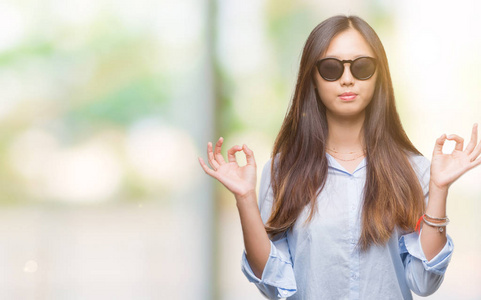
column 331, row 69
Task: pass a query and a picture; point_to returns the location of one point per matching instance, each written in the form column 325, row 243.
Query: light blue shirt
column 320, row 260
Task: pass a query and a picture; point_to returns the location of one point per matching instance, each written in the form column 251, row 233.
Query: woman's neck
column 345, row 134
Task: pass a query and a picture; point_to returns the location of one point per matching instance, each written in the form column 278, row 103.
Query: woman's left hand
column 447, row 168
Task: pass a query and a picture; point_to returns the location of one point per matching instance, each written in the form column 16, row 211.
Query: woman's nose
column 346, row 78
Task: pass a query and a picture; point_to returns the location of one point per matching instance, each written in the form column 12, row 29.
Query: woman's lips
column 347, row 96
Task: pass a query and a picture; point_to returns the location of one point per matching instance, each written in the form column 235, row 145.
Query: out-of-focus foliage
column 72, row 94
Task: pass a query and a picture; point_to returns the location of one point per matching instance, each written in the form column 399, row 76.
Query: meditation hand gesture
column 239, row 180
column 447, row 168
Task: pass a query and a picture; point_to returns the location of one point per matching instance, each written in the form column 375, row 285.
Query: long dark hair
column 392, row 194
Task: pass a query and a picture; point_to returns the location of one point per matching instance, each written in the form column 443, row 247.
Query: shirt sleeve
column 422, row 276
column 277, row 280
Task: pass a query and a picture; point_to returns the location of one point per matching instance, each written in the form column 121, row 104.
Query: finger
column 438, row 147
column 476, row 152
column 249, row 155
column 474, row 139
column 207, row 170
column 210, row 156
column 459, row 141
column 476, row 163
column 231, row 153
column 217, row 155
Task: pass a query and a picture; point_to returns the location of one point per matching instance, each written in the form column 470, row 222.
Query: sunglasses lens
column 331, row 69
column 363, row 68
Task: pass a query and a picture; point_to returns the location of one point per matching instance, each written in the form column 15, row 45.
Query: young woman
column 340, row 198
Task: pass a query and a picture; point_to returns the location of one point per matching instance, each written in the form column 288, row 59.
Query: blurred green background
column 105, row 106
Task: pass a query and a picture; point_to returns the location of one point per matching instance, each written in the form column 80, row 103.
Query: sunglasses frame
column 342, row 62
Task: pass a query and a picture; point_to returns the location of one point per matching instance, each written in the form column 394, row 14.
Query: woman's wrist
column 248, row 197
column 436, row 191
column 437, row 201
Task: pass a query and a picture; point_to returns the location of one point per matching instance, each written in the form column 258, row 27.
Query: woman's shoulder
column 265, row 180
column 267, row 165
column 421, row 166
column 418, row 159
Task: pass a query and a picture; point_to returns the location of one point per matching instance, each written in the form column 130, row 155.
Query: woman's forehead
column 348, row 44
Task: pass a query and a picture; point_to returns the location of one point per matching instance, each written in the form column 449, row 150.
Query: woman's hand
column 447, row 168
column 239, row 180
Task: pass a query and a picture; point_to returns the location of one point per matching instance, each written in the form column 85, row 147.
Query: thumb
column 438, row 147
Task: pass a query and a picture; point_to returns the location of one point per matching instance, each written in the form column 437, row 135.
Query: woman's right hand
column 241, row 181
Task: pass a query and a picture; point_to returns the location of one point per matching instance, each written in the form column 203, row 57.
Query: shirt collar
column 332, row 163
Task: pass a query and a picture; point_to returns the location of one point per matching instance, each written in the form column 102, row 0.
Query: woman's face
column 347, row 45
